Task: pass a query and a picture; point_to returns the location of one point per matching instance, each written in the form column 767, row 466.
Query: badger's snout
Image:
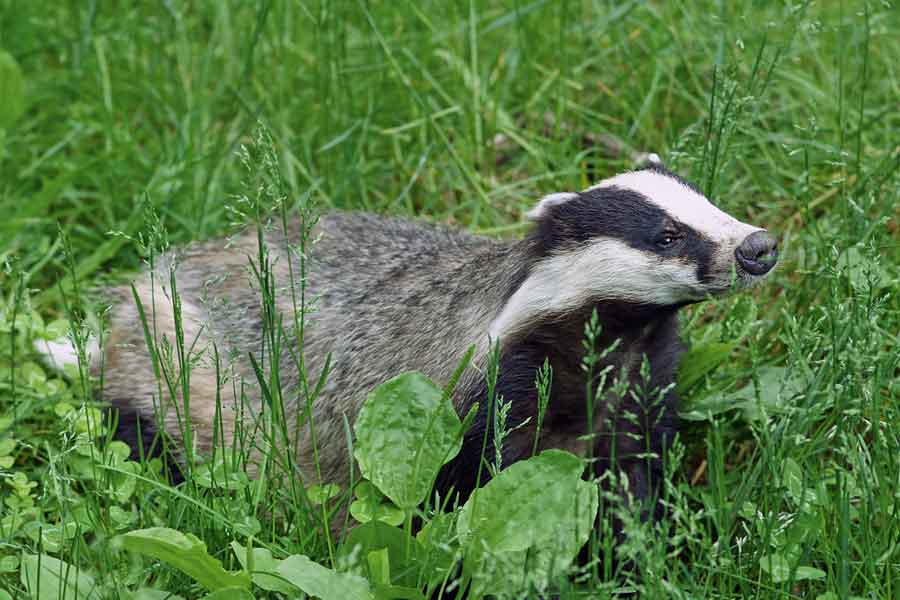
column 758, row 253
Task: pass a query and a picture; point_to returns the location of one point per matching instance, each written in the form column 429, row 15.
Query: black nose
column 758, row 253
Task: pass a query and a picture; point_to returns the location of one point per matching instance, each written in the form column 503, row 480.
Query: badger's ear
column 544, row 205
column 649, row 161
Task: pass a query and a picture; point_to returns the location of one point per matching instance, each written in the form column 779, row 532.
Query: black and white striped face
column 644, row 237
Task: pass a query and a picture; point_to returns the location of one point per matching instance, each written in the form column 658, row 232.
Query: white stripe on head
column 605, row 269
column 682, row 204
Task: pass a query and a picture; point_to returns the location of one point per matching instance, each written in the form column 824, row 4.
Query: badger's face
column 650, row 237
column 644, row 237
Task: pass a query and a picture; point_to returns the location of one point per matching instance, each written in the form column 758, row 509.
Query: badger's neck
column 542, row 288
column 531, row 311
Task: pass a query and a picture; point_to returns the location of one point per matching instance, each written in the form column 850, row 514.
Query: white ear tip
column 540, row 209
column 534, row 214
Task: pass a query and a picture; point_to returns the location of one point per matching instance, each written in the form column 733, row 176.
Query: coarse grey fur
column 388, row 295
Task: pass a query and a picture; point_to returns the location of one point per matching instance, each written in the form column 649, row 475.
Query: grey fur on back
column 385, row 295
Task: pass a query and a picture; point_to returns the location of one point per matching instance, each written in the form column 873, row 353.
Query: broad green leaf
column 119, row 449
column 440, row 545
column 779, row 569
column 776, row 388
column 5, row 595
column 322, row 582
column 50, row 537
column 263, row 570
column 708, row 407
column 372, row 505
column 7, row 446
column 9, row 564
column 48, row 578
column 700, row 361
column 809, row 523
column 247, row 525
column 186, row 553
column 396, row 592
column 124, row 480
column 792, row 478
column 320, row 494
column 525, row 526
column 365, row 511
column 776, row 566
column 405, row 432
column 55, row 330
column 32, row 374
column 220, row 475
column 808, row 573
column 229, row 593
column 12, row 100
column 379, row 562
column 152, row 594
column 404, row 551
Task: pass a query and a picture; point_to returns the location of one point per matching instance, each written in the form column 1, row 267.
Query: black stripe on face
column 626, row 215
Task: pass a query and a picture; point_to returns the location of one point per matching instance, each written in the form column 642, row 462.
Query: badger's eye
column 666, row 240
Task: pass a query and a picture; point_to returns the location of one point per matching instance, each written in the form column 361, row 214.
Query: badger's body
column 387, row 295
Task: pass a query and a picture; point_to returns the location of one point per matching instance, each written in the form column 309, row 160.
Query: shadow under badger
column 392, row 295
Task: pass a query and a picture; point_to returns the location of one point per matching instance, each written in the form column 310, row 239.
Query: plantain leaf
column 229, row 593
column 523, row 529
column 149, row 594
column 322, row 582
column 700, row 361
column 776, row 566
column 406, row 555
column 779, row 569
column 263, row 570
column 407, row 429
column 48, row 578
column 187, row 554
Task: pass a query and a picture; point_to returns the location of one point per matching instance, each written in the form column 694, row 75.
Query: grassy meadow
column 121, row 130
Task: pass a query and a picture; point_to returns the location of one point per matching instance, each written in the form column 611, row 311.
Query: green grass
column 786, row 114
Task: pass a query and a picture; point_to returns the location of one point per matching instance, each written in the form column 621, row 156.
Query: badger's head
column 643, row 238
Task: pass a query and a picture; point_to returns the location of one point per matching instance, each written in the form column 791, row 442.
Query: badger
column 389, row 295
